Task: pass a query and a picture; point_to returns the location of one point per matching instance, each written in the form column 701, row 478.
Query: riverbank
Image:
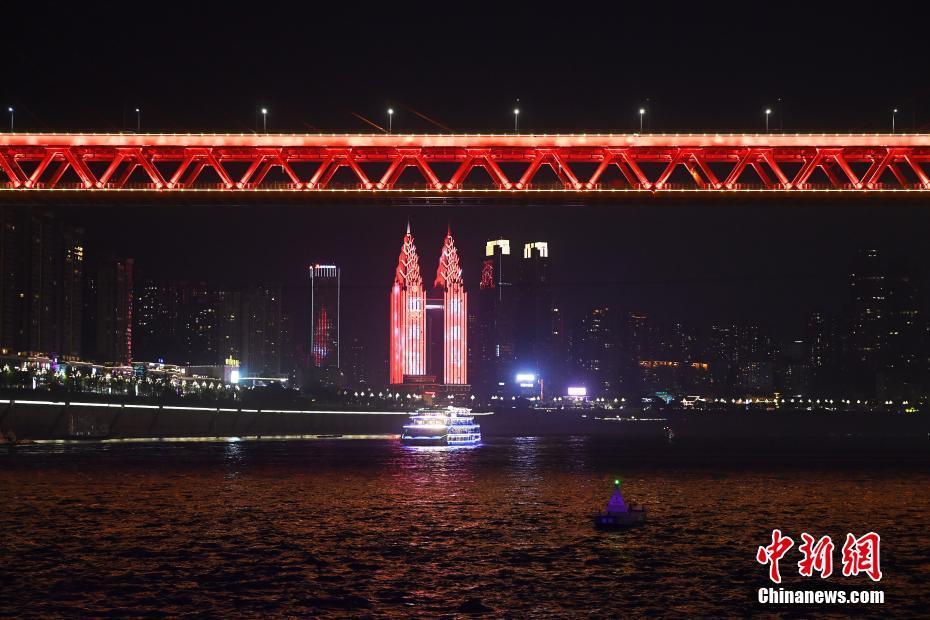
column 47, row 420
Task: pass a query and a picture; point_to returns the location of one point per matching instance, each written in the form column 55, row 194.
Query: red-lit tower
column 325, row 300
column 408, row 315
column 455, row 321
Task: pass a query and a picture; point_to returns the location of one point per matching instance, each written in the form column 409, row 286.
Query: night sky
column 200, row 67
column 209, row 66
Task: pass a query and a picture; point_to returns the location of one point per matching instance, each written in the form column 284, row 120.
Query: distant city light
column 526, row 378
column 541, row 246
column 577, row 391
column 503, row 244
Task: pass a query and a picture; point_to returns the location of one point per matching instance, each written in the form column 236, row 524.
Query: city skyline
column 606, row 343
column 627, row 252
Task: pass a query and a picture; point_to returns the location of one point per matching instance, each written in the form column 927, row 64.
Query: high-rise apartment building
column 41, row 284
column 114, row 289
column 597, row 350
column 265, row 334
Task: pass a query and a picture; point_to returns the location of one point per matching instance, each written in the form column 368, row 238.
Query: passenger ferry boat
column 449, row 426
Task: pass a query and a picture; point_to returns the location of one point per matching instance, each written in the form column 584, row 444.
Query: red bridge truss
column 448, row 163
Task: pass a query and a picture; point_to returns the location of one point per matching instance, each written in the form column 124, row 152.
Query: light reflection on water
column 373, row 527
column 233, row 458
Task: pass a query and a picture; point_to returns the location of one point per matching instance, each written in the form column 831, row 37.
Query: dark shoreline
column 81, row 420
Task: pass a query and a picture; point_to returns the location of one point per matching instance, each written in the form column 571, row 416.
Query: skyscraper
column 455, row 314
column 264, row 336
column 408, row 315
column 537, row 318
column 358, row 369
column 325, row 299
column 596, row 352
column 886, row 332
column 826, row 344
column 868, row 288
column 114, row 310
column 71, row 294
column 199, row 312
column 156, row 329
column 13, row 263
column 41, row 283
column 884, row 312
column 494, row 318
column 228, row 326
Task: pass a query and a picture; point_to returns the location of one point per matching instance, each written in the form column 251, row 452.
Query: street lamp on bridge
column 642, row 112
column 390, row 120
column 10, row 110
column 516, row 116
column 265, row 120
column 138, row 120
column 893, row 114
column 768, row 113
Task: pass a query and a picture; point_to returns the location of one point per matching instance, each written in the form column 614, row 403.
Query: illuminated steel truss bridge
column 455, row 163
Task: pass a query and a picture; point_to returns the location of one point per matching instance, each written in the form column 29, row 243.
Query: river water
column 371, row 528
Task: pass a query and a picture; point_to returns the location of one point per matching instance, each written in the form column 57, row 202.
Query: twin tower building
column 415, row 321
